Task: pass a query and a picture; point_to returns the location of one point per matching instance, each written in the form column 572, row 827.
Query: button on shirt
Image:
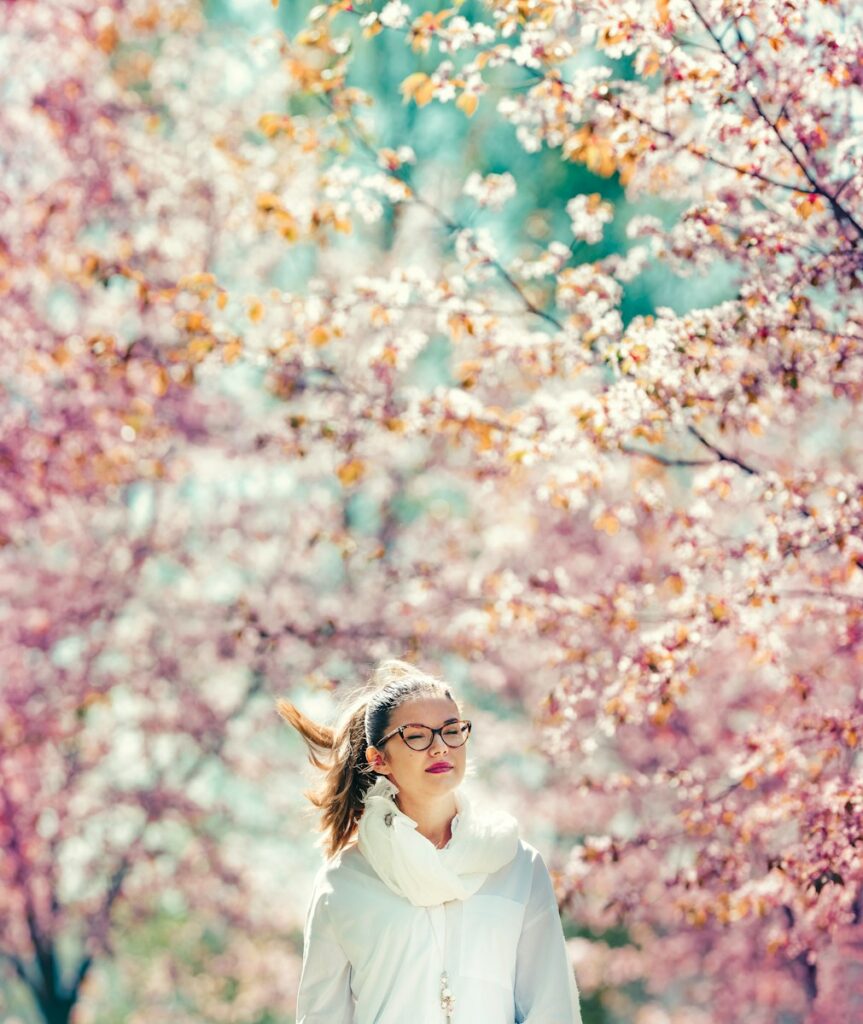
column 372, row 957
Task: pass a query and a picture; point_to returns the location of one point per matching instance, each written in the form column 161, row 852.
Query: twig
column 721, row 455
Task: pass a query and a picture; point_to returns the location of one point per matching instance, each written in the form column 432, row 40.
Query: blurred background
column 204, row 509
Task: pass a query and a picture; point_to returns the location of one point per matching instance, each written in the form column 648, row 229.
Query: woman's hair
column 340, row 751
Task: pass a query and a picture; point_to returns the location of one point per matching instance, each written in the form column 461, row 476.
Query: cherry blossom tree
column 129, row 694
column 659, row 528
column 640, row 530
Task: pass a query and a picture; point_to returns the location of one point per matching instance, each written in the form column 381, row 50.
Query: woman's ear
column 376, row 759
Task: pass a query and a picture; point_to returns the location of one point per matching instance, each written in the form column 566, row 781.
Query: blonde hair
column 340, row 751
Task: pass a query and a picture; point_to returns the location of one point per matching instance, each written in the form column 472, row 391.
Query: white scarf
column 413, row 867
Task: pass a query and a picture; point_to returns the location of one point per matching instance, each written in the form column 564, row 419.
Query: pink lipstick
column 439, row 766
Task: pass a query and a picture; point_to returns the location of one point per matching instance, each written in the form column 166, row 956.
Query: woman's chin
column 443, row 781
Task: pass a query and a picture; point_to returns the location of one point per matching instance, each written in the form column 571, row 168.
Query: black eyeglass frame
column 448, row 725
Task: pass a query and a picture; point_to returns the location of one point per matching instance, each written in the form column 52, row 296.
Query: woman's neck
column 434, row 819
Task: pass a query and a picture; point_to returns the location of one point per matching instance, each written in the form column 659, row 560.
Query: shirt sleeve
column 545, row 986
column 324, row 994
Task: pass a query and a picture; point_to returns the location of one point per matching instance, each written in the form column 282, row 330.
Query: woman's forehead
column 433, row 711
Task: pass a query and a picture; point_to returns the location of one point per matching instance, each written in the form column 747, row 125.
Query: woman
column 430, row 909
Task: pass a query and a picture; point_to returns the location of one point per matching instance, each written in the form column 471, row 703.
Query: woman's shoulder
column 527, row 856
column 528, row 850
column 342, row 868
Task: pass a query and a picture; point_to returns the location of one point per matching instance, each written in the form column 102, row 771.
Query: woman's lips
column 440, row 766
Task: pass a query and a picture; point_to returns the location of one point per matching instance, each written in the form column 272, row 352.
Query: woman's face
column 421, row 774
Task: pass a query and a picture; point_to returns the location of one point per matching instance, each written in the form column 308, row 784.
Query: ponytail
column 347, row 773
column 340, row 752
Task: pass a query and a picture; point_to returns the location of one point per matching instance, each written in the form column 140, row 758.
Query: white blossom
column 395, row 14
column 589, row 213
column 491, row 191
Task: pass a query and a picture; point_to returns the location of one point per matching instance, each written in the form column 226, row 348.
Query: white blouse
column 372, row 957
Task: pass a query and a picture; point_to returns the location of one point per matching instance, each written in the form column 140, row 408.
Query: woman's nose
column 437, row 744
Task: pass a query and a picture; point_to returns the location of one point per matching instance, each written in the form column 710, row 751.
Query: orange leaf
column 608, row 523
column 468, row 102
column 600, row 158
column 652, row 64
column 661, row 715
column 289, row 228
column 231, row 352
column 199, row 347
column 161, row 382
column 410, row 85
column 351, row 471
column 425, row 93
column 267, row 202
column 808, row 204
column 674, row 583
column 272, row 124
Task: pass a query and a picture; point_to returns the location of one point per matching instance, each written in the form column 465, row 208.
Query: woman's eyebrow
column 449, row 721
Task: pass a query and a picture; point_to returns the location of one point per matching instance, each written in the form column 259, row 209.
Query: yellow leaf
column 379, row 316
column 410, row 85
column 674, row 583
column 808, row 204
column 609, row 38
column 108, row 38
column 351, row 471
column 272, row 124
column 662, row 713
column 199, row 347
column 319, row 335
column 425, row 93
column 222, row 300
column 468, row 102
column 652, row 64
column 600, row 158
column 231, row 352
column 289, row 228
column 822, row 139
column 61, row 355
column 608, row 523
column 256, row 311
column 161, row 382
column 267, row 202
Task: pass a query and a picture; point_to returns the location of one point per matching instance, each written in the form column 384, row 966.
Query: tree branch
column 666, row 460
column 447, row 221
column 721, row 455
column 840, row 211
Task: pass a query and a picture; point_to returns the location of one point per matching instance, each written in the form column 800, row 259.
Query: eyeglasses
column 421, row 737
